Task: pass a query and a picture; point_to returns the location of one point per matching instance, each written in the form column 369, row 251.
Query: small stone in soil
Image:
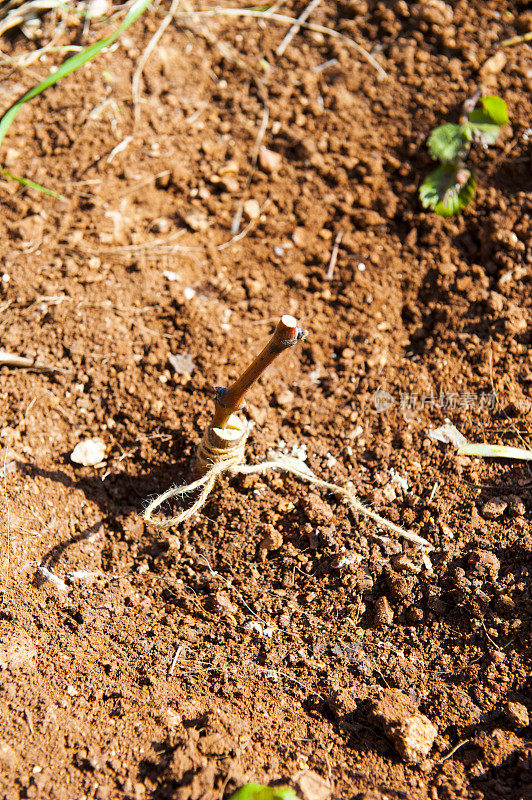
column 182, row 363
column 517, row 715
column 383, row 613
column 197, row 221
column 221, row 604
column 494, row 508
column 312, row 786
column 411, row 733
column 89, row 452
column 269, row 160
column 251, row 209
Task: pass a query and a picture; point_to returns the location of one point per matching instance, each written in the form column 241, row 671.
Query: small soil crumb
column 269, row 160
column 342, row 702
column 317, row 509
column 272, row 541
column 383, row 613
column 17, row 651
column 312, row 786
column 411, row 733
column 402, row 563
column 504, row 604
column 8, row 757
column 516, row 506
column 493, row 65
column 517, row 715
column 484, row 563
column 251, row 209
column 397, row 584
column 494, row 508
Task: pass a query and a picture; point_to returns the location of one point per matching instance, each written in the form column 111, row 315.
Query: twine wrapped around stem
column 231, row 462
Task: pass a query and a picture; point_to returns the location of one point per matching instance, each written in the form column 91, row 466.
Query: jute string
column 217, row 461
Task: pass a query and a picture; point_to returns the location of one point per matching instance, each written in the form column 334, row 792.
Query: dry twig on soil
column 13, row 360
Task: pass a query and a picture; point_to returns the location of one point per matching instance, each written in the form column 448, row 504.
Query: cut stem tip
column 286, row 334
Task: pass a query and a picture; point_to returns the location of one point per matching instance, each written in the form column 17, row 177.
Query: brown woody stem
column 231, row 400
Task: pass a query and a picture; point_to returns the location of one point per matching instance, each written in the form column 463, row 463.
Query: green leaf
column 31, row 184
column 449, row 142
column 486, row 133
column 256, row 791
column 447, row 190
column 494, row 108
column 486, row 121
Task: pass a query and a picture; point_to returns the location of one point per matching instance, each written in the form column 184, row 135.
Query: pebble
column 8, row 757
column 411, row 733
column 273, row 540
column 269, row 160
column 436, row 12
column 251, row 209
column 484, row 563
column 312, row 786
column 517, row 715
column 97, row 8
column 222, row 604
column 227, row 182
column 171, row 276
column 182, row 363
column 89, row 452
column 383, row 615
column 197, row 221
column 494, row 508
column 493, row 65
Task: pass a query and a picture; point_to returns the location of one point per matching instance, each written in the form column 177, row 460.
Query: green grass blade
column 71, row 65
column 31, row 184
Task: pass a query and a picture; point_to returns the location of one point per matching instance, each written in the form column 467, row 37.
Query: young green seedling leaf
column 451, row 187
column 31, row 184
column 487, row 120
column 493, row 109
column 447, row 190
column 256, row 791
column 449, row 142
column 486, row 133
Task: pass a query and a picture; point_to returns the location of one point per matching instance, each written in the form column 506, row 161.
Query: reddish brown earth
column 285, row 654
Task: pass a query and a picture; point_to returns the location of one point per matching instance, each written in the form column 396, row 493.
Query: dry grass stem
column 305, row 14
column 152, row 44
column 286, row 20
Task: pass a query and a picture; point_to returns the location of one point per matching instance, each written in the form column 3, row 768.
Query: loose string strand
column 220, row 461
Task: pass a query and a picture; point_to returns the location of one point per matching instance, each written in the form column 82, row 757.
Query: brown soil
column 284, row 652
